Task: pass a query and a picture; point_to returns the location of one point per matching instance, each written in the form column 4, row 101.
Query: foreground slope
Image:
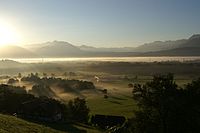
column 11, row 124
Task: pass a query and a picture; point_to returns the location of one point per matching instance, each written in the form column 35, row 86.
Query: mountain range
column 183, row 47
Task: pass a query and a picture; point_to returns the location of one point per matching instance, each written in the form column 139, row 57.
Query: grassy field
column 120, row 100
column 11, row 124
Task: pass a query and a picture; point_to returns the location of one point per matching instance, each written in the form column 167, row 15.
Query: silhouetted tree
column 32, row 74
column 52, row 75
column 71, row 74
column 130, row 85
column 165, row 108
column 36, row 74
column 105, row 96
column 136, row 77
column 42, row 90
column 44, row 75
column 105, row 91
column 19, row 75
column 78, row 110
column 65, row 74
column 12, row 81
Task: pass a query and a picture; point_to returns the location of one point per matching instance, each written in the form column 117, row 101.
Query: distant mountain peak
column 56, row 41
column 85, row 46
column 195, row 36
column 59, row 42
column 58, row 49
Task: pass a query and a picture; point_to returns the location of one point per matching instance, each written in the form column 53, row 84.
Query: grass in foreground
column 11, row 124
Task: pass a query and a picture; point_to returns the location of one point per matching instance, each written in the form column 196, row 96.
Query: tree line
column 27, row 106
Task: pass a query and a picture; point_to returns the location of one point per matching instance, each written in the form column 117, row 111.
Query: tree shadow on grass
column 117, row 98
column 127, row 96
column 115, row 102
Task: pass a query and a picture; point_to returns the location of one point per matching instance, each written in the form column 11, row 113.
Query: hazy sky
column 102, row 22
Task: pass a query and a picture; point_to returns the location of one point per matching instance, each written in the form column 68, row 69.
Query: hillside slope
column 12, row 51
column 185, row 51
column 159, row 46
column 191, row 47
column 11, row 124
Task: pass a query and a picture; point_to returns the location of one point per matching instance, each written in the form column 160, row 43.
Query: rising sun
column 8, row 34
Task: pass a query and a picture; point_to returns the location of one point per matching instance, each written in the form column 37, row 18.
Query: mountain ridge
column 182, row 47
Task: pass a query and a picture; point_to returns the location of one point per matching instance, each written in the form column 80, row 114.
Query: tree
column 153, row 100
column 71, row 74
column 42, row 90
column 130, row 85
column 165, row 108
column 65, row 74
column 190, row 106
column 44, row 75
column 12, row 81
column 36, row 74
column 19, row 75
column 52, row 75
column 78, row 110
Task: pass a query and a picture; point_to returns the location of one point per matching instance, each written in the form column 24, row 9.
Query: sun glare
column 8, row 34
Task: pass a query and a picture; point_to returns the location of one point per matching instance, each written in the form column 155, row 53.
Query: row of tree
column 68, row 85
column 65, row 74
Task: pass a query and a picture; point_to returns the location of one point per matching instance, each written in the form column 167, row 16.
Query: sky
column 101, row 23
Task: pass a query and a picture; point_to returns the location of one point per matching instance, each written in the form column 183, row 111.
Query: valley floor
column 113, row 76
